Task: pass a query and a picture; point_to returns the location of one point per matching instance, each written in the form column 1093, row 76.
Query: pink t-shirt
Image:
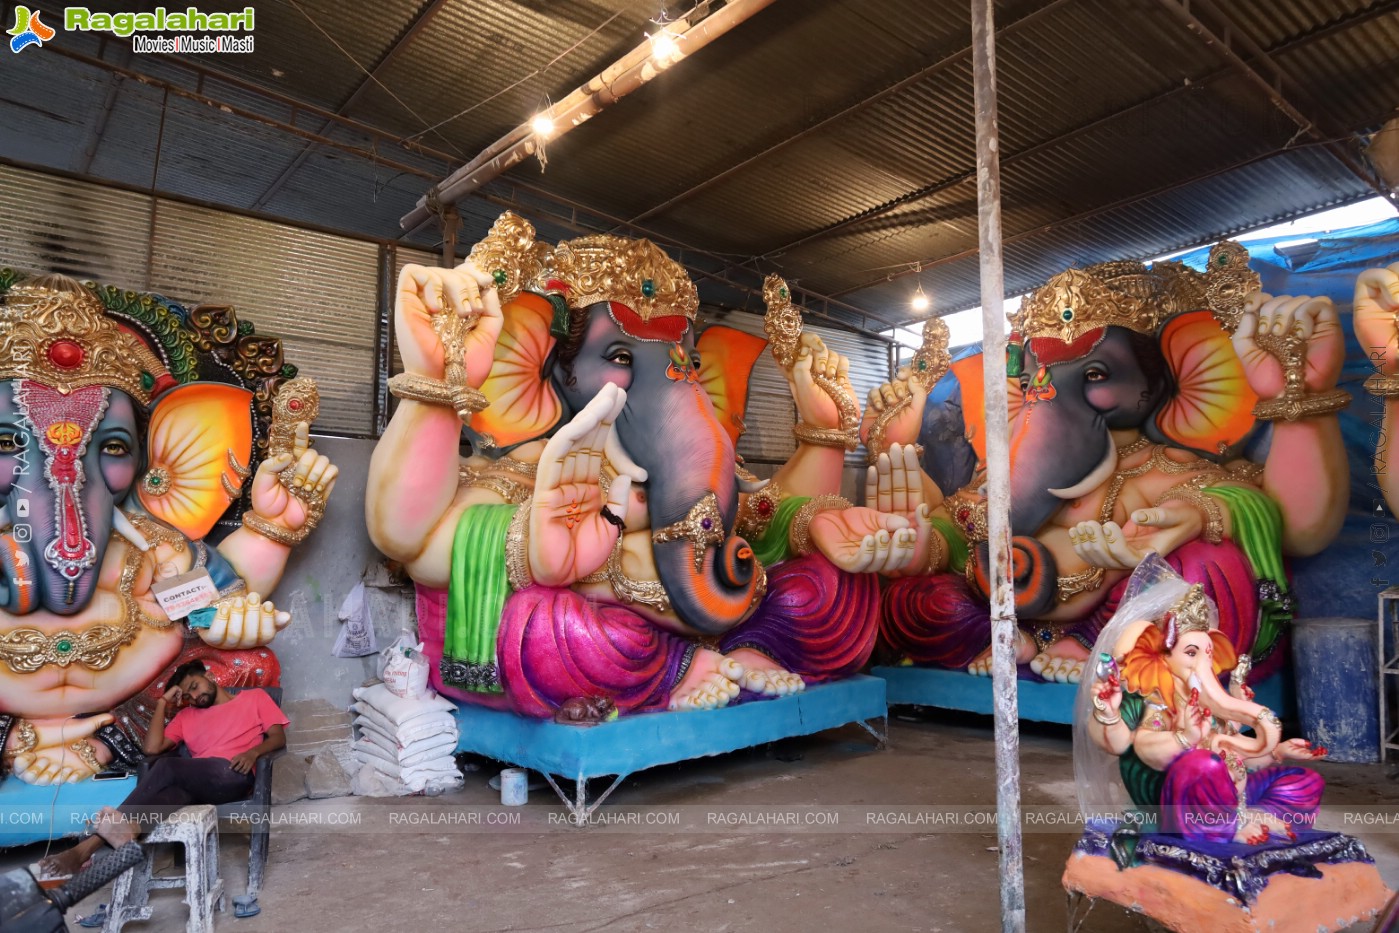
column 226, row 730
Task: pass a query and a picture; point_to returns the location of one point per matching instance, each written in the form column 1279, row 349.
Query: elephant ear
column 523, row 404
column 727, row 357
column 198, row 452
column 969, row 373
column 1213, row 408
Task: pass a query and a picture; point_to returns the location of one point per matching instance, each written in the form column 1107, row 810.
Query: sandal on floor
column 47, row 879
column 245, row 907
column 95, row 919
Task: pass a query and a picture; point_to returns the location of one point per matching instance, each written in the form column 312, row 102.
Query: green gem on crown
column 1067, row 314
column 147, row 381
column 63, row 646
column 783, row 292
column 499, row 276
column 648, row 288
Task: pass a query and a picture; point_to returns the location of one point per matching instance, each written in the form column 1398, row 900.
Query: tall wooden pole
column 1003, row 629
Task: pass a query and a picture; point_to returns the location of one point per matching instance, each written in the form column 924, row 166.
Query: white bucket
column 514, row 787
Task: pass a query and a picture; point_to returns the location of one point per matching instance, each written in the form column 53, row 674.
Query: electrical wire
column 533, row 74
column 367, row 73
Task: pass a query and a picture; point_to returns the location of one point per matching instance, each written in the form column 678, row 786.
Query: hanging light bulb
column 542, row 124
column 664, row 48
column 920, row 301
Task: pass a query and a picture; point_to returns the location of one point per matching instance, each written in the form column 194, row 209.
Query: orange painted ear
column 727, row 357
column 198, row 452
column 523, row 405
column 1213, row 408
column 969, row 375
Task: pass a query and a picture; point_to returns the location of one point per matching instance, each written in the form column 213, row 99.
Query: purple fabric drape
column 1200, row 801
column 816, row 620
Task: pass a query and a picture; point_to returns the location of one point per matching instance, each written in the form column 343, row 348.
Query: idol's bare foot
column 711, row 682
column 764, row 675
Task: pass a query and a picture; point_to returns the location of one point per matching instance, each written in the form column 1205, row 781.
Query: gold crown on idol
column 1128, row 294
column 55, row 331
column 1191, row 613
column 636, row 273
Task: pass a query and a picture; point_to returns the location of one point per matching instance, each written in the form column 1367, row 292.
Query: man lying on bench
column 225, row 733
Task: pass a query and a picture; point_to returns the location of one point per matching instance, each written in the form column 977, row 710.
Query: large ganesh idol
column 117, row 460
column 604, row 546
column 1155, row 410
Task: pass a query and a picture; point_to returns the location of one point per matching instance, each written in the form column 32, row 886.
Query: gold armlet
column 517, row 548
column 463, row 399
column 1207, row 506
column 1302, row 405
column 826, row 437
column 937, row 553
column 512, row 491
column 799, row 537
column 1239, row 676
column 1383, row 386
column 274, row 532
column 758, row 511
column 1072, row 584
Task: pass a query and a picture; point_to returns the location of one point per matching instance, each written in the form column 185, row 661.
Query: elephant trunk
column 62, row 560
column 715, row 592
column 711, row 576
column 1058, row 453
column 1266, row 730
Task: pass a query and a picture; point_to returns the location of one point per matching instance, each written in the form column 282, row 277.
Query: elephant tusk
column 123, row 527
column 752, row 484
column 1100, row 475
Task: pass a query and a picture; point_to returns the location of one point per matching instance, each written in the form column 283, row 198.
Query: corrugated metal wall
column 315, row 290
column 86, row 231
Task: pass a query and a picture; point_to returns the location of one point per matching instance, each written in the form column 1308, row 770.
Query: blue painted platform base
column 32, row 813
column 634, row 743
column 1039, row 702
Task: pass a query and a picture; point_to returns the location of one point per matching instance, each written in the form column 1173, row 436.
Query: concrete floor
column 538, row 876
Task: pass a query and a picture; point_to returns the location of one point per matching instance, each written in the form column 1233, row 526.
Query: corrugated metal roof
column 1122, row 132
column 474, row 51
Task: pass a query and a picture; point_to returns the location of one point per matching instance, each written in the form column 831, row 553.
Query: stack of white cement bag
column 405, row 744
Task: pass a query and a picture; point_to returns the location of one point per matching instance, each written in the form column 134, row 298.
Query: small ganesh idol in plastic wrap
column 1195, row 807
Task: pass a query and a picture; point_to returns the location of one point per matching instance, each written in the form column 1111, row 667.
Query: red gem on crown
column 764, row 507
column 294, row 404
column 66, row 354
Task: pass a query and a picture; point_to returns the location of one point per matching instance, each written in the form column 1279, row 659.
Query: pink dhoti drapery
column 554, row 645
